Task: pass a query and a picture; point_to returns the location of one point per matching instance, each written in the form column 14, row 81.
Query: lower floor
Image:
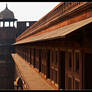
column 67, row 68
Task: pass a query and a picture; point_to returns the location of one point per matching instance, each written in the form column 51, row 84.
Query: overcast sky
column 29, row 11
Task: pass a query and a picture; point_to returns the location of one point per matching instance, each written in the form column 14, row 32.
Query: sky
column 29, row 11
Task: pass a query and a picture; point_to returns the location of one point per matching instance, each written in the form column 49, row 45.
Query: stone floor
column 32, row 79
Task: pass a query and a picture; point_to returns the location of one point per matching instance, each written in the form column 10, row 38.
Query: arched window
column 11, row 24
column 1, row 24
column 15, row 24
column 6, row 24
column 27, row 24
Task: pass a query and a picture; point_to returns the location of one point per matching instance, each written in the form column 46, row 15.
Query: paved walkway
column 31, row 77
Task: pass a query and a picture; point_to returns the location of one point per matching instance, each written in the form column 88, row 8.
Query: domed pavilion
column 7, row 17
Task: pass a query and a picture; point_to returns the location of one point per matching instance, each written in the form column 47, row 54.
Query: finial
column 6, row 5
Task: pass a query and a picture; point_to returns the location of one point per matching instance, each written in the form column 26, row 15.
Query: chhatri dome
column 6, row 14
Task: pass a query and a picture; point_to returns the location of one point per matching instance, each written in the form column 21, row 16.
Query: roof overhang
column 57, row 33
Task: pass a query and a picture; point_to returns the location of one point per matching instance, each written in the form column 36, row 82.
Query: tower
column 7, row 17
column 7, row 27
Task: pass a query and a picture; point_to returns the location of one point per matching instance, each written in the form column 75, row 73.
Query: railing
column 61, row 10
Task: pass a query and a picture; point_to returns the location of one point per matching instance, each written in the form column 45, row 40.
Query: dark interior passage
column 62, row 70
column 48, row 64
column 88, row 69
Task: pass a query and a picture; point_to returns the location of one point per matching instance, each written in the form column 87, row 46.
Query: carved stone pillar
column 9, row 23
column 13, row 24
column 3, row 24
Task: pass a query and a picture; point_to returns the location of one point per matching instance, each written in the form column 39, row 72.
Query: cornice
column 53, row 19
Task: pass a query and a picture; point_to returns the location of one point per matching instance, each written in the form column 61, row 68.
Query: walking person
column 19, row 83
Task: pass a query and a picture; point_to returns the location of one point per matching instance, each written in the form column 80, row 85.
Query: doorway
column 39, row 60
column 34, row 57
column 48, row 64
column 62, row 70
column 87, row 71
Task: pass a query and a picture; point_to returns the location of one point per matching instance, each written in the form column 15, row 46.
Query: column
column 3, row 24
column 13, row 23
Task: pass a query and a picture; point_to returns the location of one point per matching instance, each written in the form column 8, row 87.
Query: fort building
column 57, row 48
column 59, row 45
